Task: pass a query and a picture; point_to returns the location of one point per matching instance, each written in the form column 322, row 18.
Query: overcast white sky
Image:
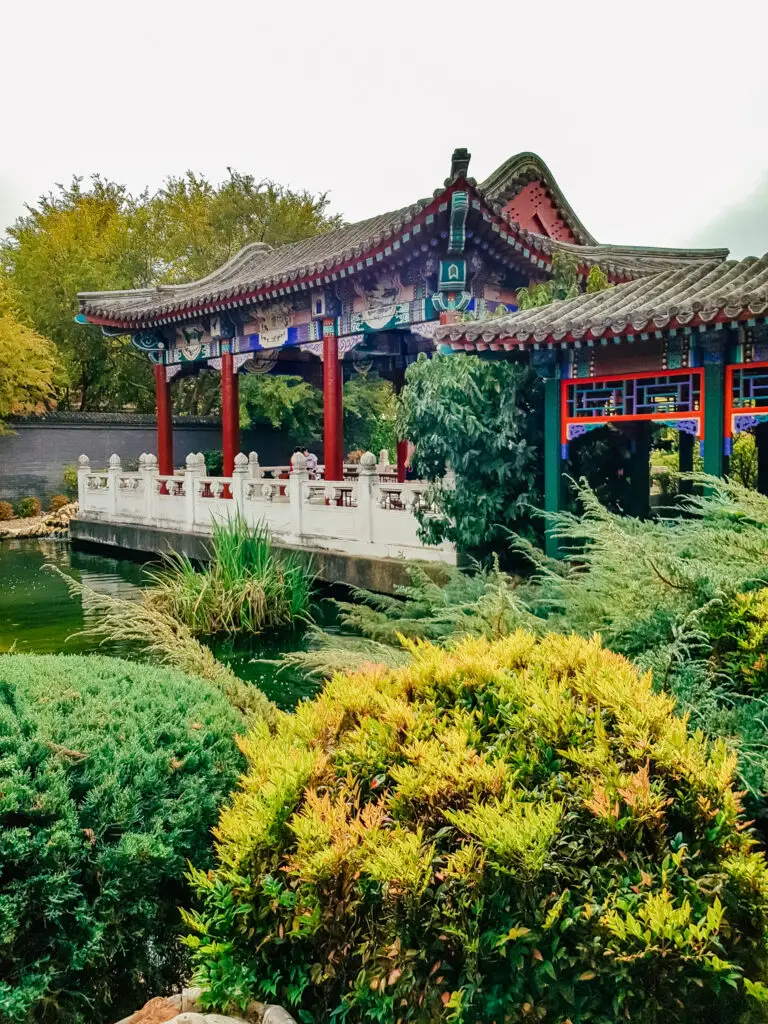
column 652, row 114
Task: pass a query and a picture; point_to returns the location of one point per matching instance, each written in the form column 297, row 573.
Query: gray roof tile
column 258, row 267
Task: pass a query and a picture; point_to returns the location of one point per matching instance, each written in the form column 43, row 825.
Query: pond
column 38, row 615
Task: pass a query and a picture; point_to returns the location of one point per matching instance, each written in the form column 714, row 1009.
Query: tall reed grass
column 246, row 587
column 165, row 640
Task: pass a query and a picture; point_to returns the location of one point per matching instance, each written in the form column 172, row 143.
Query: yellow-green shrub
column 739, row 632
column 26, row 508
column 519, row 830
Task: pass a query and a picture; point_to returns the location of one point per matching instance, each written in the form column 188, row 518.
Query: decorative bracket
column 457, row 232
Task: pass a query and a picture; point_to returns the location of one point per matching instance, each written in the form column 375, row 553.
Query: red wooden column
column 230, row 414
column 164, row 421
column 333, row 433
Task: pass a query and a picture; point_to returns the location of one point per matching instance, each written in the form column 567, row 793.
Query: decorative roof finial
column 460, row 163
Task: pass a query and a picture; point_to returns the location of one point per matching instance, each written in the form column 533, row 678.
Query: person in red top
column 409, row 473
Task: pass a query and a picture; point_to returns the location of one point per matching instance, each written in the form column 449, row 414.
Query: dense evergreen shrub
column 28, row 507
column 111, row 775
column 517, row 831
column 58, row 501
column 6, row 511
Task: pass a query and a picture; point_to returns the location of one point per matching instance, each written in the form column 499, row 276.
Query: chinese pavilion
column 686, row 347
column 371, row 295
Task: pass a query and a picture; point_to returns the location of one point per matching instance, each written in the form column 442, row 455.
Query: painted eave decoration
column 260, row 274
column 692, row 296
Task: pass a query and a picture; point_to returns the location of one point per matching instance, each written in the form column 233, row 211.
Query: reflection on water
column 38, row 615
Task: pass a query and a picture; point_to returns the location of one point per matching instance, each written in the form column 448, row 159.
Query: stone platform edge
column 382, row 575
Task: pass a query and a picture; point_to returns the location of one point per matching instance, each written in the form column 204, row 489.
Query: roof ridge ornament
column 459, row 164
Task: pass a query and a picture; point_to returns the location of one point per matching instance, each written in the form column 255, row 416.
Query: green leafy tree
column 483, row 419
column 97, row 236
column 198, row 226
column 83, row 238
column 295, row 407
column 370, row 414
column 285, row 403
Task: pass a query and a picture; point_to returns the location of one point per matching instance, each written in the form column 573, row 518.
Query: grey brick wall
column 33, row 457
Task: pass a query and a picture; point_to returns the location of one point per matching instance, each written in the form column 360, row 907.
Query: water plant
column 247, row 585
column 518, row 829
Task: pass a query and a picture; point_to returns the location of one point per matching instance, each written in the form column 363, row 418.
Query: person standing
column 311, row 463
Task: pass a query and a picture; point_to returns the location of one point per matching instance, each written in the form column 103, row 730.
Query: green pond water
column 37, row 615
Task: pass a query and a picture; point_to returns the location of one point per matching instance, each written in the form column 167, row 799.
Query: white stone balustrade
column 366, row 515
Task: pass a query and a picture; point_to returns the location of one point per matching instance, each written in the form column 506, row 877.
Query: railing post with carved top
column 83, row 469
column 298, row 477
column 239, row 476
column 113, row 483
column 365, row 483
column 194, row 466
column 148, row 470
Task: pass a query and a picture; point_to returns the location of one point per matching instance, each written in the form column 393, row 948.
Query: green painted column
column 639, row 469
column 761, row 444
column 685, row 459
column 553, row 467
column 714, row 407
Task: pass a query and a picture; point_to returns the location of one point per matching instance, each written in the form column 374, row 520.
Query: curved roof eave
column 515, row 173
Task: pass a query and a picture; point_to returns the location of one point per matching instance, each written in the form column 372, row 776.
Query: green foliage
column 26, row 508
column 214, row 462
column 295, row 407
column 564, row 283
column 370, row 414
column 246, row 587
column 97, row 236
column 58, row 501
column 197, row 226
column 738, row 632
column 438, row 607
column 82, row 238
column 288, row 404
column 111, row 776
column 6, row 511
column 516, row 830
column 70, row 481
column 479, row 603
column 483, row 419
column 676, row 596
column 597, row 281
column 742, row 464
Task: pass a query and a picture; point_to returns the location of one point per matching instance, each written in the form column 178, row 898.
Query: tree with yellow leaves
column 27, row 364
